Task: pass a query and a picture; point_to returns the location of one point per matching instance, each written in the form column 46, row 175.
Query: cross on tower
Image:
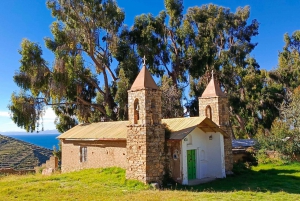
column 144, row 60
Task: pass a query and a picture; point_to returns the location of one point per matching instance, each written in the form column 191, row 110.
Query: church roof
column 117, row 130
column 181, row 127
column 97, row 131
column 212, row 89
column 144, row 80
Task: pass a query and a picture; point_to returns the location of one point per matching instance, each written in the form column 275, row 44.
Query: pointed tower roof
column 212, row 89
column 144, row 80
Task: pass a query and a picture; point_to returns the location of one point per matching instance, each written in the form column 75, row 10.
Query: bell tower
column 214, row 104
column 145, row 133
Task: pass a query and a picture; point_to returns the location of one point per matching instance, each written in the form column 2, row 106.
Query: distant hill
column 20, row 155
column 21, row 133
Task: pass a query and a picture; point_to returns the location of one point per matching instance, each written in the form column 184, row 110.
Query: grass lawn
column 265, row 182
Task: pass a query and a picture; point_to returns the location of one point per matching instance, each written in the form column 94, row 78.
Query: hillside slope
column 265, row 182
column 21, row 155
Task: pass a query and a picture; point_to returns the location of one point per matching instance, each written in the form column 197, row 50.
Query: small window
column 153, row 104
column 136, row 111
column 223, row 109
column 83, row 154
column 208, row 112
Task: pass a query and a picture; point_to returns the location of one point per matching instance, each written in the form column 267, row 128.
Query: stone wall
column 173, row 160
column 99, row 154
column 145, row 137
column 149, row 109
column 13, row 171
column 220, row 115
column 52, row 163
column 49, row 167
column 145, row 153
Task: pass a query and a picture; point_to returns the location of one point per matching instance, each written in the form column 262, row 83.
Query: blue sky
column 31, row 19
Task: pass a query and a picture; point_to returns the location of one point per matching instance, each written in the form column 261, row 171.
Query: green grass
column 265, row 182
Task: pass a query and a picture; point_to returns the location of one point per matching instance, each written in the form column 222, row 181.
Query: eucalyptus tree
column 162, row 43
column 284, row 136
column 281, row 83
column 288, row 70
column 187, row 47
column 81, row 83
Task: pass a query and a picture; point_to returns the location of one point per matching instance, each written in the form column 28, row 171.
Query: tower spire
column 144, row 79
column 213, row 89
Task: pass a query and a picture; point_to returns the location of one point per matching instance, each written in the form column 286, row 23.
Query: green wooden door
column 191, row 163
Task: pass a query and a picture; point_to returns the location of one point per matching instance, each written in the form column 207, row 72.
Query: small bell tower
column 214, row 104
column 145, row 133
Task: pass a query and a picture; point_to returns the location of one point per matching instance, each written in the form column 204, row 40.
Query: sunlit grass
column 265, row 182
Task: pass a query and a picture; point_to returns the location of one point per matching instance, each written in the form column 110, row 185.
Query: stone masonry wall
column 145, row 153
column 149, row 113
column 99, row 154
column 173, row 160
column 146, row 138
column 220, row 115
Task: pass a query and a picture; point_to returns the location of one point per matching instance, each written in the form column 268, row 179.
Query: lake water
column 43, row 140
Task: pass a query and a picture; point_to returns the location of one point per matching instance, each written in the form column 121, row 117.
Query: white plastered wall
column 209, row 154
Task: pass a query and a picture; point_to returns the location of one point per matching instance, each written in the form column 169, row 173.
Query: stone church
column 149, row 147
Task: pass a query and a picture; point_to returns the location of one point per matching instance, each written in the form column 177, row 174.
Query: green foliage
column 219, row 41
column 122, row 95
column 25, row 111
column 240, row 168
column 186, row 47
column 86, row 40
column 162, row 43
column 285, row 132
column 171, row 99
column 180, row 48
column 264, row 158
column 288, row 69
column 57, row 152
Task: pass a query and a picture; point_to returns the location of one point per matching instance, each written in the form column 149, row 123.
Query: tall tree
column 285, row 132
column 81, row 84
column 281, row 82
column 221, row 41
column 171, row 99
column 162, row 43
column 288, row 70
column 188, row 46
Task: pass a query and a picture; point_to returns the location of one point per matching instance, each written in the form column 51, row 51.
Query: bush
column 263, row 157
column 281, row 139
column 241, row 168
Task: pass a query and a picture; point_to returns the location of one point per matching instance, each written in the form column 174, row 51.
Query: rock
column 155, row 185
column 48, row 171
column 229, row 172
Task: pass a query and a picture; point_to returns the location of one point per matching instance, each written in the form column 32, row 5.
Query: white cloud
column 4, row 114
column 49, row 115
column 7, row 125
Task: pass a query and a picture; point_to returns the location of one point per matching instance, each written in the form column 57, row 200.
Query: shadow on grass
column 272, row 180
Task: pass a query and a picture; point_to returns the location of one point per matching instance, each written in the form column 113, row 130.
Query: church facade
column 150, row 147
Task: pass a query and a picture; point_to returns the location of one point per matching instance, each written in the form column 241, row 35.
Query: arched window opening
column 136, row 109
column 208, row 112
column 153, row 117
column 223, row 109
column 153, row 104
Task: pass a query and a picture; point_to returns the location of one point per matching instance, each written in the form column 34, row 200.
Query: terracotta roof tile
column 144, row 80
column 212, row 89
